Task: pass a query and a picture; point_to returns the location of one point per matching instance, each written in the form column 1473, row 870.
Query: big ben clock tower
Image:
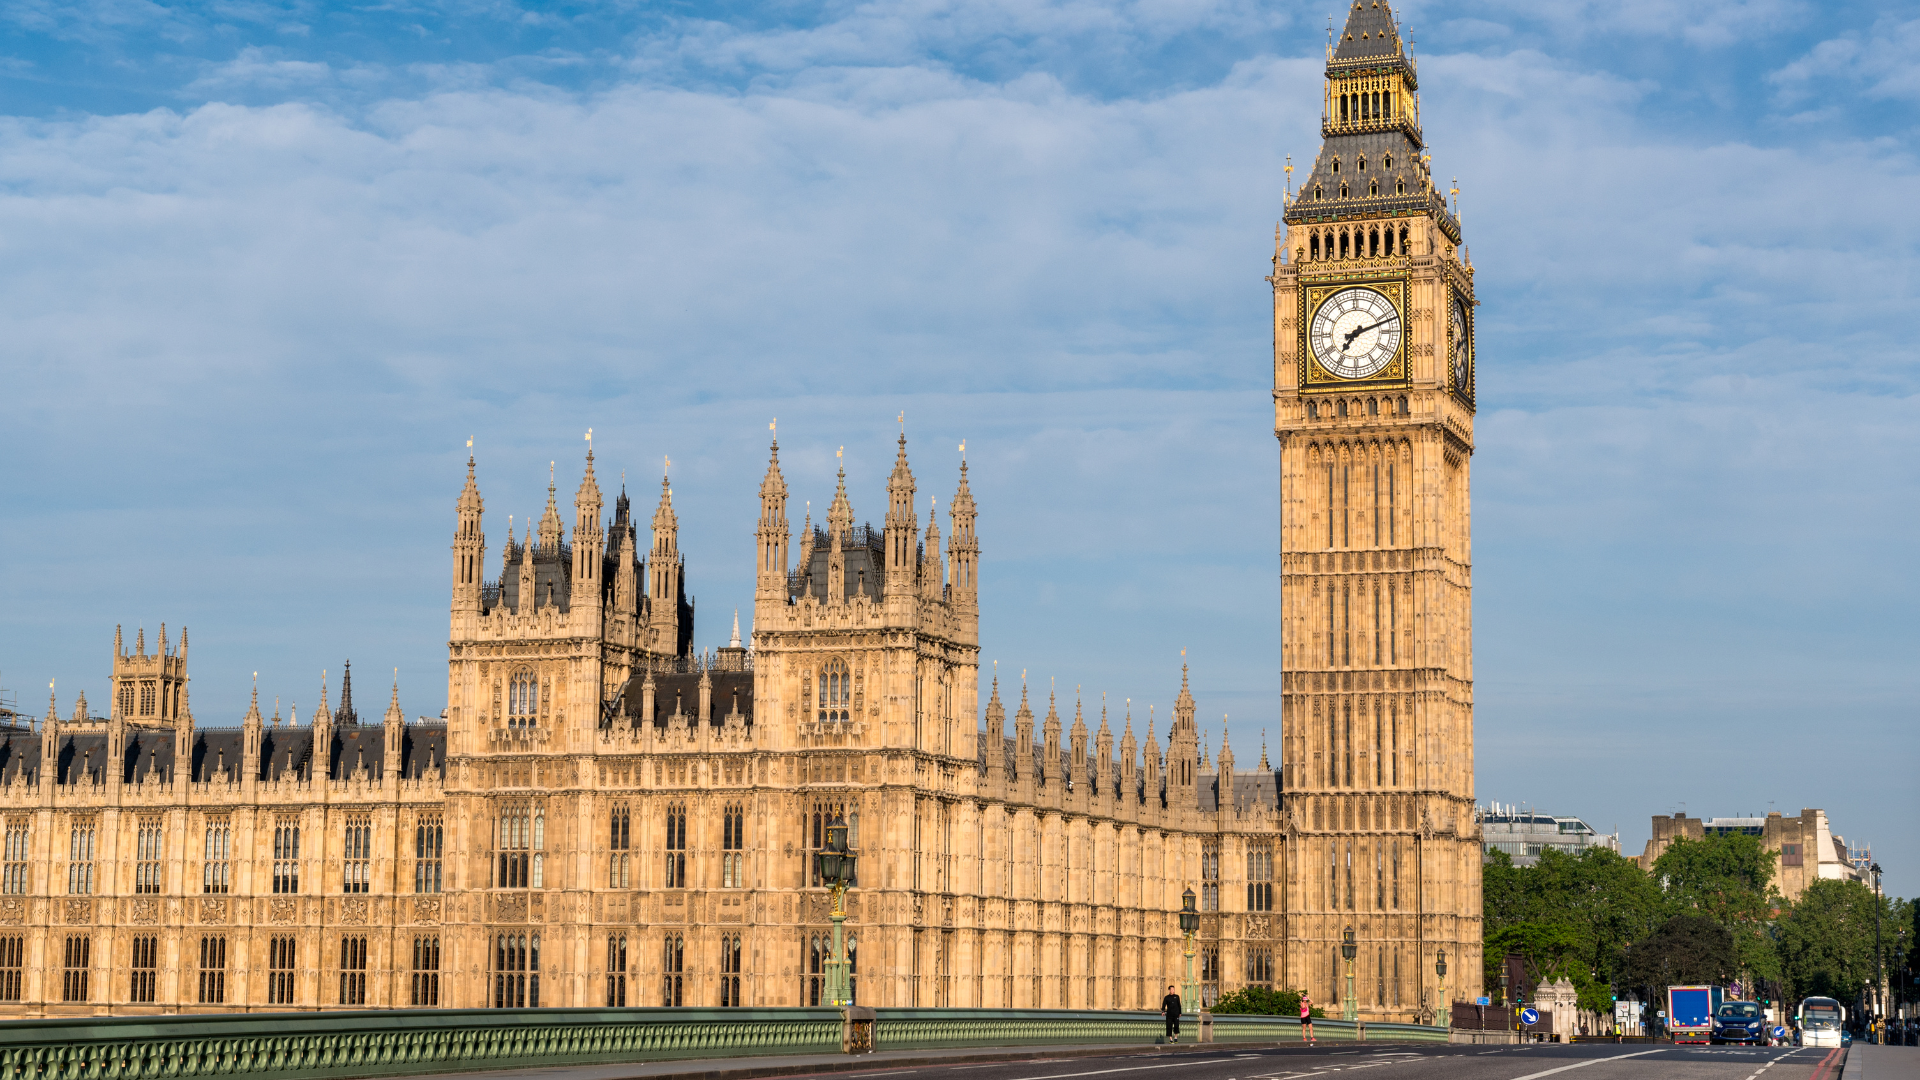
column 1373, row 392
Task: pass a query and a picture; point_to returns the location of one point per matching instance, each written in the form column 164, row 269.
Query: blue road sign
column 1483, row 1000
column 1779, row 1032
column 1529, row 1017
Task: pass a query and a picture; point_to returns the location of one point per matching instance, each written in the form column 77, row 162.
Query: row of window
column 1358, row 242
column 1371, row 406
column 216, row 864
column 210, row 984
column 1259, row 877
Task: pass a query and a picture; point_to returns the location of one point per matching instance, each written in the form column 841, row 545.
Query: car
column 1740, row 1022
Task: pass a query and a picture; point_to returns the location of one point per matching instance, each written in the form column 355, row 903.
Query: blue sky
column 265, row 267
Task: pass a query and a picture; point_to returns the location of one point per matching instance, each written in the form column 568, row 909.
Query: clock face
column 1355, row 333
column 1462, row 345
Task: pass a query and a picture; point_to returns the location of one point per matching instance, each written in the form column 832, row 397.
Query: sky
column 266, row 267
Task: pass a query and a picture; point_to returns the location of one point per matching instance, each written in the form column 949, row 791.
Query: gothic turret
column 551, row 529
column 469, row 544
column 966, row 548
column 772, row 534
column 589, row 547
column 996, row 741
column 933, row 573
column 839, row 528
column 903, row 538
column 1183, row 743
column 663, row 570
column 393, row 727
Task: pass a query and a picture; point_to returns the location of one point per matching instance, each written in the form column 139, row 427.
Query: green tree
column 1826, row 938
column 1601, row 901
column 1688, row 948
column 1261, row 1001
column 1728, row 878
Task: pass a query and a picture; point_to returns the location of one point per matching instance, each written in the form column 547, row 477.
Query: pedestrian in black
column 1170, row 1008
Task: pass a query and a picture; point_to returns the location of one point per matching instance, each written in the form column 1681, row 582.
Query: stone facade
column 602, row 816
column 1805, row 848
column 1373, row 407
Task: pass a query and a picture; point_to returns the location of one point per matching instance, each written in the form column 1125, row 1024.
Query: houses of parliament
column 603, row 816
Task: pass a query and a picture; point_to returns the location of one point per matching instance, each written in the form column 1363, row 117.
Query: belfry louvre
column 604, row 817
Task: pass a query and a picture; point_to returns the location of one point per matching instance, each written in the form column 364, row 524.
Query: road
column 1586, row 1061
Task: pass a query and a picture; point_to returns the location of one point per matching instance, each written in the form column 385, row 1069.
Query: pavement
column 1290, row 1061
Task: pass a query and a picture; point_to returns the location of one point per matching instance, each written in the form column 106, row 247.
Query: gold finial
column 903, row 421
column 667, row 463
column 1183, row 652
column 963, row 449
column 589, row 438
column 549, row 474
column 771, row 423
column 840, row 453
column 469, row 442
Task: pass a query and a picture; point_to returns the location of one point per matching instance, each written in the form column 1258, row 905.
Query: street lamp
column 1879, row 976
column 1189, row 925
column 1445, row 1015
column 1349, row 1009
column 836, row 865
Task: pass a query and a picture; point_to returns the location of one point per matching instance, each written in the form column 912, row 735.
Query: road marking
column 1584, row 1064
column 1099, row 1072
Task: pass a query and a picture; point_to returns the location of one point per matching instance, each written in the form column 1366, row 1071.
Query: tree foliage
column 1688, row 948
column 1826, row 940
column 1571, row 915
column 1729, row 879
column 1262, row 1001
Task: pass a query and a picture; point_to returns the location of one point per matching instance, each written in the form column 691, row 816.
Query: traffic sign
column 1779, row 1032
column 1529, row 1017
column 1483, row 1000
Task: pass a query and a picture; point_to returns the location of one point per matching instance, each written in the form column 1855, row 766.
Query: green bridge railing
column 341, row 1045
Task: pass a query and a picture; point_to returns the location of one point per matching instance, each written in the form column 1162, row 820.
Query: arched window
column 1373, row 407
column 1317, row 193
column 1386, row 109
column 1373, row 242
column 1343, row 234
column 1363, row 163
column 1343, row 113
column 1403, row 239
column 1336, row 166
column 1313, row 410
column 1343, row 191
column 1343, row 408
column 836, row 690
column 1373, row 188
column 1388, row 162
column 1387, row 242
column 1313, row 244
column 1403, row 406
column 523, row 699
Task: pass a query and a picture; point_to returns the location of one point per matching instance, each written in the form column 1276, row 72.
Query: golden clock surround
column 1315, row 379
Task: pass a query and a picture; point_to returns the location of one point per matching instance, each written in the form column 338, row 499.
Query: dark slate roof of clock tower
column 1369, row 41
column 1370, row 33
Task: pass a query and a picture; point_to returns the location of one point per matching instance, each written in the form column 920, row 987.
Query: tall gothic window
column 516, row 971
column 813, row 832
column 730, row 953
column 673, row 963
column 286, row 855
column 429, row 844
column 14, row 861
column 215, row 867
column 426, row 971
column 616, row 971
column 353, row 969
column 282, row 955
column 1210, row 877
column 523, row 699
column 1260, row 879
column 357, row 855
column 520, row 845
column 619, row 841
column 149, row 852
column 80, row 860
column 676, row 854
column 77, row 964
column 1260, row 965
column 733, row 842
column 213, row 969
column 143, row 979
column 13, row 967
column 836, row 690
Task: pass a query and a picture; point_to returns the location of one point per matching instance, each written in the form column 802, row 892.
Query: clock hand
column 1357, row 331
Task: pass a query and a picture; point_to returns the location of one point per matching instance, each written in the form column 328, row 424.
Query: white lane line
column 1584, row 1064
column 1100, row 1072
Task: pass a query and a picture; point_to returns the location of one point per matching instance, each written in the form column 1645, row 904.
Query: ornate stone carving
column 426, row 909
column 353, row 911
column 146, row 911
column 282, row 909
column 78, row 911
column 511, row 908
column 213, row 909
column 13, row 911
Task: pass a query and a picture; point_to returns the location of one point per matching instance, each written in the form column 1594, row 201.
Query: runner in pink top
column 1306, row 1018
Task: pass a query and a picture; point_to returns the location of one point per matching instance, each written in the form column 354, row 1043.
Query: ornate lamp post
column 1349, row 1008
column 1444, row 1017
column 836, row 865
column 1879, row 971
column 1189, row 925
